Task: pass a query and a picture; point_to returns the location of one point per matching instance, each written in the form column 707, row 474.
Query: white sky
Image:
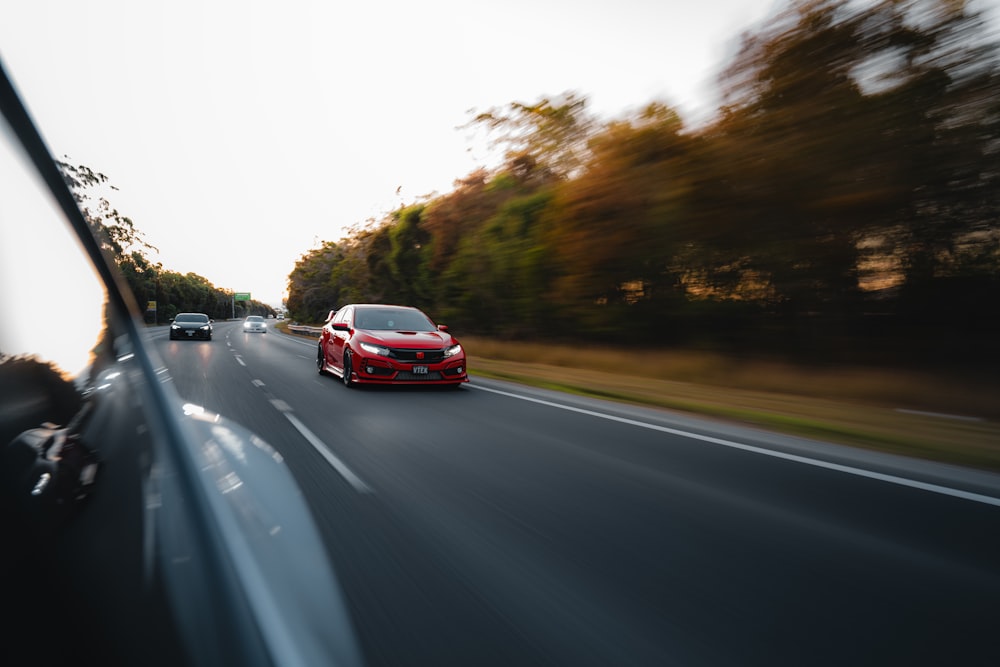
column 239, row 133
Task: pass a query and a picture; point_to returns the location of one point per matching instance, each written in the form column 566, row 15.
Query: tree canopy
column 844, row 197
column 127, row 248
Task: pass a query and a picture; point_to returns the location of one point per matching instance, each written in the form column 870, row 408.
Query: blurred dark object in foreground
column 137, row 529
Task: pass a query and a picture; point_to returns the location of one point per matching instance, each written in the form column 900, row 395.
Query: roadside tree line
column 125, row 245
column 842, row 205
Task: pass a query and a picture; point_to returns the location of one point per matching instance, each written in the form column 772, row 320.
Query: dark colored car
column 388, row 344
column 191, row 325
column 137, row 529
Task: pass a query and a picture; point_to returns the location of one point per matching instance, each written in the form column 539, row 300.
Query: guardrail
column 303, row 330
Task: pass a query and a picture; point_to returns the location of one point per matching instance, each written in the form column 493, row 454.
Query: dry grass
column 939, row 417
column 895, row 388
column 873, row 408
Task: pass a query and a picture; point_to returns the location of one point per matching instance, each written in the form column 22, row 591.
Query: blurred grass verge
column 932, row 416
column 947, row 418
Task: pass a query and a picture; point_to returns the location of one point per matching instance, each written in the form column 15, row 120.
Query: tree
column 126, row 246
column 408, row 257
column 309, row 295
column 611, row 227
column 551, row 134
column 116, row 232
column 857, row 148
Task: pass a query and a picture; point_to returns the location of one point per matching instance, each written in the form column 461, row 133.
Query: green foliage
column 845, row 199
column 125, row 245
column 313, row 290
column 409, row 257
column 498, row 278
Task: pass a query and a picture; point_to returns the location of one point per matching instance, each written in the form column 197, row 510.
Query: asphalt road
column 504, row 525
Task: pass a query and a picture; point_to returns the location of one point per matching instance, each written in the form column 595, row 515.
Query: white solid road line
column 939, row 415
column 859, row 472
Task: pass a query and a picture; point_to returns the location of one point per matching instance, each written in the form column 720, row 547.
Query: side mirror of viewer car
column 137, row 529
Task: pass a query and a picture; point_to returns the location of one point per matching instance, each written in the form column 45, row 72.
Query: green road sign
column 242, row 296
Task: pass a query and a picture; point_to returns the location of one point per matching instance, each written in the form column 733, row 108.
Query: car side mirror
column 442, row 327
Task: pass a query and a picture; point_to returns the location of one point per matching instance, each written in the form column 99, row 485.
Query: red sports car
column 383, row 344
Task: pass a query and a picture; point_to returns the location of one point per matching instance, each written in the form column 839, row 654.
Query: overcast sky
column 240, row 133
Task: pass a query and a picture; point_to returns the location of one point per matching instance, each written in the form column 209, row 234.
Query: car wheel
column 320, row 364
column 348, row 382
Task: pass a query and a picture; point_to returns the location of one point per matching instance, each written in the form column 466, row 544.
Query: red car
column 369, row 343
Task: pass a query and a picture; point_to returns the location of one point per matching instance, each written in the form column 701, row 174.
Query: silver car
column 254, row 324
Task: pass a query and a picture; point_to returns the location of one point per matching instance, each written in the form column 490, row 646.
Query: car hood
column 413, row 339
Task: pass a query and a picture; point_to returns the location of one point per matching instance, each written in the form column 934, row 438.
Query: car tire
column 348, row 370
column 320, row 365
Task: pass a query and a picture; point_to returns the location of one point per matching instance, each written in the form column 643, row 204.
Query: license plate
column 420, row 370
column 190, row 333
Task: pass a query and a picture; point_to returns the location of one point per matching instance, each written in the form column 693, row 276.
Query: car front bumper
column 379, row 370
column 194, row 334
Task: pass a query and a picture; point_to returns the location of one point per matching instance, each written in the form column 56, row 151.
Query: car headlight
column 452, row 351
column 375, row 349
column 174, row 326
column 206, row 327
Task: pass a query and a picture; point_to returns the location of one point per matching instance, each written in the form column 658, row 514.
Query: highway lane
column 505, row 525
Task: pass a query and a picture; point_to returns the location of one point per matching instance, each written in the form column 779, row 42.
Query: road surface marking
column 321, row 447
column 850, row 470
column 941, row 415
column 280, row 405
column 338, row 465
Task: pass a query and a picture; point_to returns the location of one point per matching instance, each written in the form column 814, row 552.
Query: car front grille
column 410, row 356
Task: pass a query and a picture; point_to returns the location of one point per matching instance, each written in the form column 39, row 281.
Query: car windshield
column 255, row 318
column 185, row 317
column 392, row 319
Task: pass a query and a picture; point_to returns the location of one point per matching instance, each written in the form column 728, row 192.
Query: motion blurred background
column 840, row 206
